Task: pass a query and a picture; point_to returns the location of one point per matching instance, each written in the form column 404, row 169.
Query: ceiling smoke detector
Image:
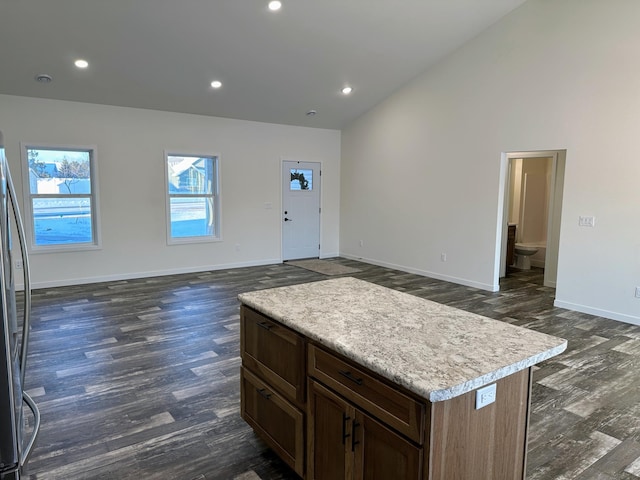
column 311, row 113
column 44, row 78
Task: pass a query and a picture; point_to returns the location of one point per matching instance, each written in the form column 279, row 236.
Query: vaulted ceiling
column 274, row 66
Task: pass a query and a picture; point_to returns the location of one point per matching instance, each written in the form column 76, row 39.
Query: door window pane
column 301, row 179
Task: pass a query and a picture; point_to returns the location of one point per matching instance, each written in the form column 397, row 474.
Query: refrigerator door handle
column 26, row 451
column 26, row 276
column 27, row 319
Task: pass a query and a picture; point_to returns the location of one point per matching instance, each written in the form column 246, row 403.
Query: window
column 61, row 201
column 301, row 179
column 193, row 210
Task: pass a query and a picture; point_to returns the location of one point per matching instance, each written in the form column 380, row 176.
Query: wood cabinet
column 273, row 397
column 487, row 443
column 398, row 410
column 274, row 352
column 331, row 418
column 345, row 442
column 276, row 420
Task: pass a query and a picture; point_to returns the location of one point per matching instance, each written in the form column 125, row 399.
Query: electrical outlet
column 485, row 396
column 443, row 257
column 19, row 265
column 237, row 247
column 637, row 292
column 362, row 243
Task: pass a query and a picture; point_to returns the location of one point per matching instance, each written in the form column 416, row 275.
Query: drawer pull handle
column 354, row 442
column 345, row 419
column 350, row 376
column 263, row 392
column 265, row 325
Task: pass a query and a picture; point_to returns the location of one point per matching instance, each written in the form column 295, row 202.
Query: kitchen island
column 347, row 379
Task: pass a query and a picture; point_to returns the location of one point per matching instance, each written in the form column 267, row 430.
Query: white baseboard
column 148, row 274
column 622, row 317
column 425, row 273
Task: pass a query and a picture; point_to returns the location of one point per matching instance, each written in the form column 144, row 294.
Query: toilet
column 523, row 252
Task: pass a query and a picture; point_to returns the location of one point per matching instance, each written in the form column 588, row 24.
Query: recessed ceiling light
column 216, row 84
column 44, row 78
column 80, row 63
column 275, row 5
column 347, row 90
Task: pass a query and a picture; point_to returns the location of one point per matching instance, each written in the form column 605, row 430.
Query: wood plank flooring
column 139, row 379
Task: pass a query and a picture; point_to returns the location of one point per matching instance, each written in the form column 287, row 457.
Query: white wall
column 133, row 141
column 420, row 172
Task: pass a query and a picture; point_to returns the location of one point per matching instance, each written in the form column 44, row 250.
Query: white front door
column 300, row 210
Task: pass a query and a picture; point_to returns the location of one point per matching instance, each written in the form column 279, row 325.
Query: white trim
column 151, row 274
column 553, row 218
column 96, row 221
column 425, row 273
column 622, row 317
column 217, row 199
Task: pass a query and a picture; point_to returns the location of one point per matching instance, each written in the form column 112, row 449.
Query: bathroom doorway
column 531, row 208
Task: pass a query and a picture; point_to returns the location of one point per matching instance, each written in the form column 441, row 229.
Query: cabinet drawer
column 275, row 352
column 277, row 421
column 394, row 408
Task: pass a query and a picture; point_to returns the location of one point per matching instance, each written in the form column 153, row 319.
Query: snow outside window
column 61, row 197
column 192, row 198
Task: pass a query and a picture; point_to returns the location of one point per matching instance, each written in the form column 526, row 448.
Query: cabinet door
column 381, row 454
column 275, row 352
column 277, row 421
column 329, row 455
column 347, row 443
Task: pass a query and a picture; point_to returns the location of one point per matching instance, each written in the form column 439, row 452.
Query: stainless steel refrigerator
column 16, row 437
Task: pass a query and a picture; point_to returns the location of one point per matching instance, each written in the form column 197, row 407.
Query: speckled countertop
column 436, row 351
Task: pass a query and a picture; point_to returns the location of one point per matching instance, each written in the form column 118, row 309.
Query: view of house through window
column 61, row 196
column 192, row 197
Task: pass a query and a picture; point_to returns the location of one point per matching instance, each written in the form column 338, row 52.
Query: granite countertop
column 433, row 350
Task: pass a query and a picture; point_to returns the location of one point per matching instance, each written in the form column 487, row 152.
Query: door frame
column 281, row 175
column 553, row 221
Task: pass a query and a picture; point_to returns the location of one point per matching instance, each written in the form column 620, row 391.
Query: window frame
column 28, row 197
column 216, row 236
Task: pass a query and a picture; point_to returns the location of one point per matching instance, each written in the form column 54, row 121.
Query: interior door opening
column 530, row 214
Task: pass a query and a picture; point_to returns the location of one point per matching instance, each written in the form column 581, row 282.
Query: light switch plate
column 485, row 396
column 587, row 221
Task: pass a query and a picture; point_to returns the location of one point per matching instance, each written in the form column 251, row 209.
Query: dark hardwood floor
column 139, row 379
